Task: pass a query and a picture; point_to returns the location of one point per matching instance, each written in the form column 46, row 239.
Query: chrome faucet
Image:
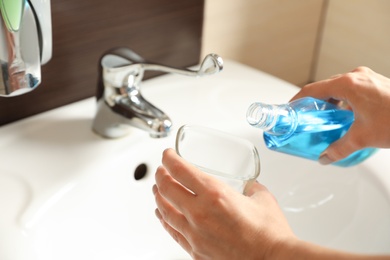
column 119, row 99
column 25, row 44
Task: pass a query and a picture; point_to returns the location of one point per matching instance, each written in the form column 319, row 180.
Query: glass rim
column 254, row 151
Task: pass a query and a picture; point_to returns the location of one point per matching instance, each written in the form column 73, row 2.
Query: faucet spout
column 132, row 110
column 120, row 102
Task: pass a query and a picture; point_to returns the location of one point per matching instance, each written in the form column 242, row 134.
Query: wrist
column 286, row 248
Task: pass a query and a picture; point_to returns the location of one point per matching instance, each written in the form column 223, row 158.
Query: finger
column 169, row 213
column 176, row 235
column 186, row 173
column 179, row 196
column 340, row 149
column 325, row 89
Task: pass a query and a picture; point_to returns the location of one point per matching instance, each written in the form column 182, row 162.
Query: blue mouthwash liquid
column 305, row 128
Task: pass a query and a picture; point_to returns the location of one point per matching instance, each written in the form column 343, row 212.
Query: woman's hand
column 368, row 94
column 210, row 220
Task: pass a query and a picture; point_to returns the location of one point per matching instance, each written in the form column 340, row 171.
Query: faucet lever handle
column 120, row 63
column 211, row 64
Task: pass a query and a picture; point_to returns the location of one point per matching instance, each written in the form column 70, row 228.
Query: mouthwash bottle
column 305, row 127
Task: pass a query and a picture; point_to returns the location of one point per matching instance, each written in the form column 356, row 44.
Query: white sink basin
column 66, row 193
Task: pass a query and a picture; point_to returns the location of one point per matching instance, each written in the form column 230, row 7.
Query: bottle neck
column 273, row 119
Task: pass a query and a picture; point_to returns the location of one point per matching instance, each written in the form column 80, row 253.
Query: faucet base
column 109, row 124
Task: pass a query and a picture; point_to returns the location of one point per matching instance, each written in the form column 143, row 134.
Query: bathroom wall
column 165, row 31
column 300, row 41
column 276, row 36
column 356, row 32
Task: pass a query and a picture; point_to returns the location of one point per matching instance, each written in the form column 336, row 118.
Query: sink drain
column 140, row 172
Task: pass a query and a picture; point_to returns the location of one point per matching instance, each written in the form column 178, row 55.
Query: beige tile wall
column 356, row 32
column 281, row 36
column 276, row 36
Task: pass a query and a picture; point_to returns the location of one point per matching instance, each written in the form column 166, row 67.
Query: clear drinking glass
column 231, row 159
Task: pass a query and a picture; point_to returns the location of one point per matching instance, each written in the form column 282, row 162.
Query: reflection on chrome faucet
column 120, row 102
column 15, row 66
column 25, row 44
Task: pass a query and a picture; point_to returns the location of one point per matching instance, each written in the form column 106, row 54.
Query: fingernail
column 158, row 214
column 154, row 189
column 335, row 76
column 324, row 159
